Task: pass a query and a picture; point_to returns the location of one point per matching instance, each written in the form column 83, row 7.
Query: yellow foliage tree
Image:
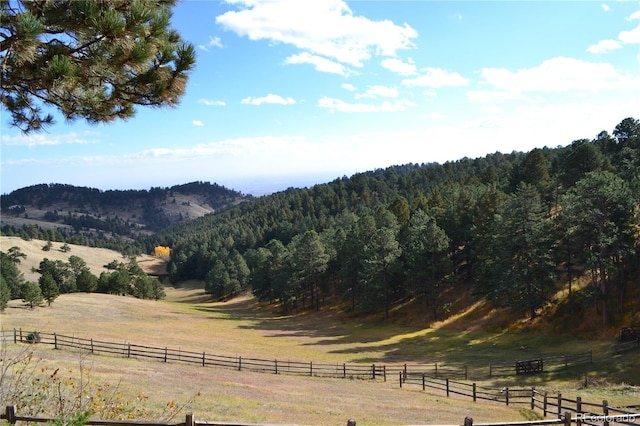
column 162, row 251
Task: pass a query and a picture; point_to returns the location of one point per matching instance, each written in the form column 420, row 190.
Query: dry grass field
column 96, row 258
column 189, row 320
column 224, row 394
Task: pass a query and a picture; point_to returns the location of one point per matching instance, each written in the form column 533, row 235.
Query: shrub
column 34, row 337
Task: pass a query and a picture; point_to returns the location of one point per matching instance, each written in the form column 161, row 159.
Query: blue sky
column 291, row 93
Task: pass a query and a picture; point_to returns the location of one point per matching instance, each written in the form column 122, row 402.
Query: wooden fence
column 626, row 346
column 540, row 364
column 433, row 376
column 354, row 371
column 566, row 419
column 166, row 354
column 585, row 412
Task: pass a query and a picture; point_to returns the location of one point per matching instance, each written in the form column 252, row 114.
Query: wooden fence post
column 344, row 370
column 384, row 372
column 129, row 350
column 190, row 420
column 373, row 371
column 474, row 391
column 533, row 397
column 605, row 411
column 579, row 410
column 490, row 369
column 276, row 364
column 55, row 340
column 506, row 398
column 311, row 368
column 544, row 405
column 10, row 414
column 468, row 421
column 21, row 335
column 15, row 336
column 400, row 374
column 239, row 363
column 204, row 358
column 92, row 345
column 447, row 384
column 435, row 366
column 423, row 382
column 567, row 418
column 559, row 405
column 165, row 354
column 351, row 422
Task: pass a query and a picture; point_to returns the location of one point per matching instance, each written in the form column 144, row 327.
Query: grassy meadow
column 189, row 320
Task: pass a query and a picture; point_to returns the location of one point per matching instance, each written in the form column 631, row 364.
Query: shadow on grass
column 382, row 342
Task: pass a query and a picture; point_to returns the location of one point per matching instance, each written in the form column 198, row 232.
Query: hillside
column 550, row 232
column 80, row 214
column 95, row 258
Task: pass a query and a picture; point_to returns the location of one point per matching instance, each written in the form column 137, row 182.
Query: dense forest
column 513, row 228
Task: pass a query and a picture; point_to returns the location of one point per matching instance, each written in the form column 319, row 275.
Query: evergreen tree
column 523, row 268
column 48, row 287
column 93, row 60
column 218, row 283
column 309, row 262
column 86, row 281
column 16, row 255
column 31, row 294
column 380, row 252
column 5, row 294
column 601, row 207
column 11, row 275
column 427, row 262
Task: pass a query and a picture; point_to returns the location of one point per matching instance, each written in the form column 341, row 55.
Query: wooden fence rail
column 166, row 354
column 626, row 346
column 549, row 404
column 565, row 419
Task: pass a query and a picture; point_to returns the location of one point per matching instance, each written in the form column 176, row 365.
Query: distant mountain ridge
column 92, row 212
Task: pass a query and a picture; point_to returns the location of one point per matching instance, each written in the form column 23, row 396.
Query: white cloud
column 631, row 36
column 624, row 37
column 399, row 67
column 321, row 27
column 209, row 102
column 634, row 15
column 604, row 46
column 321, row 64
column 379, row 91
column 197, row 123
column 436, row 78
column 43, row 139
column 213, row 42
column 349, row 87
column 342, row 106
column 558, row 75
column 269, row 99
column 605, row 7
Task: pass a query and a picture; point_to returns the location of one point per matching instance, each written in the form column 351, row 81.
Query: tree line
column 58, row 277
column 509, row 227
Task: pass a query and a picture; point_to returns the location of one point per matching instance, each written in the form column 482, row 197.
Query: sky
column 290, row 93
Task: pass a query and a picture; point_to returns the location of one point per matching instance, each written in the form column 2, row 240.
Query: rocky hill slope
column 71, row 210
